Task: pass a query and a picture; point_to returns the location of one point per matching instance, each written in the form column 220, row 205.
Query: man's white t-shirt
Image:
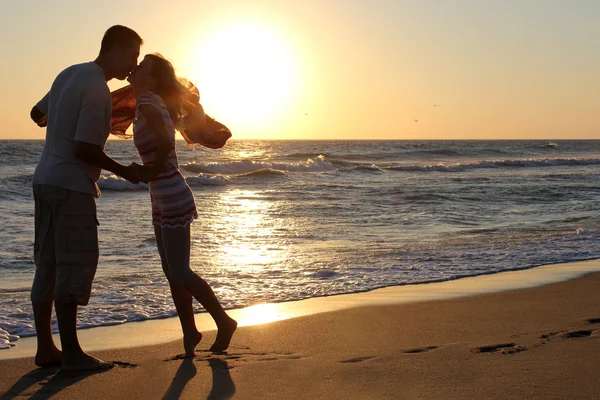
column 78, row 107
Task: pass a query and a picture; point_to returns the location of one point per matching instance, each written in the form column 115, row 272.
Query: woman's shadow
column 222, row 385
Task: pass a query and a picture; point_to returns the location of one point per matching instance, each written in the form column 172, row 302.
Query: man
column 77, row 112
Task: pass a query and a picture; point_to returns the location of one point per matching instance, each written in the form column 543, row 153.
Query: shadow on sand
column 43, row 383
column 222, row 384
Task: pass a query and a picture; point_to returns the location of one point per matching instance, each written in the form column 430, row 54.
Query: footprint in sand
column 576, row 334
column 181, row 356
column 579, row 334
column 240, row 357
column 123, row 364
column 356, row 360
column 283, row 357
column 550, row 335
column 504, row 348
column 421, row 350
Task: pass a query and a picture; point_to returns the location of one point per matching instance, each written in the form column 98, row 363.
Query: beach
column 539, row 342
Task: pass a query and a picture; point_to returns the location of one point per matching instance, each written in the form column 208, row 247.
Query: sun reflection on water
column 251, row 241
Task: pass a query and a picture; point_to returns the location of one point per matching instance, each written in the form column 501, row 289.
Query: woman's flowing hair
column 182, row 99
column 175, row 92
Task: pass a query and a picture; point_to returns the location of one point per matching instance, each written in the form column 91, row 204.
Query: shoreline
column 160, row 331
column 537, row 343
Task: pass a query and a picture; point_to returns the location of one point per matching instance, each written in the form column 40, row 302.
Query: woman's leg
column 182, row 299
column 176, row 242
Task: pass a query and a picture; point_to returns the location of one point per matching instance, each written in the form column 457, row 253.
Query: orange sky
column 336, row 69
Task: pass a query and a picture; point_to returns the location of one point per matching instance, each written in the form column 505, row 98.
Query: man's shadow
column 222, row 386
column 50, row 380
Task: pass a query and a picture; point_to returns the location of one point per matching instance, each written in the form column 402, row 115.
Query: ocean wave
column 364, row 168
column 263, row 172
column 305, row 155
column 317, row 164
column 426, row 197
column 15, row 187
column 514, row 163
column 436, row 152
column 205, row 180
column 115, row 183
column 17, row 178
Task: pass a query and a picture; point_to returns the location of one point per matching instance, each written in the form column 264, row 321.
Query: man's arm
column 94, row 155
column 93, row 127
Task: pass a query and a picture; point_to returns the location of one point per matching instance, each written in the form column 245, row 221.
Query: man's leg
column 43, row 284
column 47, row 354
column 66, row 314
column 76, row 234
column 73, row 356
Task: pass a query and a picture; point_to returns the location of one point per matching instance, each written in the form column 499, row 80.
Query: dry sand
column 538, row 343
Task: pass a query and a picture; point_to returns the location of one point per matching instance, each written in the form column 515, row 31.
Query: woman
column 160, row 107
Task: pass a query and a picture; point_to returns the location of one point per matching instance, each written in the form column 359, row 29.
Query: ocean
column 288, row 220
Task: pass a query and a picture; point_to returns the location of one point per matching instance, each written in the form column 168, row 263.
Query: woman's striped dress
column 173, row 204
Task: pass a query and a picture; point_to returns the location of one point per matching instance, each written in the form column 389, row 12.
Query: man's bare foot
column 190, row 342
column 224, row 335
column 85, row 362
column 48, row 358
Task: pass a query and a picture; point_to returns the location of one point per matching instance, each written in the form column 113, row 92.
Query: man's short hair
column 119, row 35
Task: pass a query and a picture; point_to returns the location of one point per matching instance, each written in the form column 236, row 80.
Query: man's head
column 119, row 51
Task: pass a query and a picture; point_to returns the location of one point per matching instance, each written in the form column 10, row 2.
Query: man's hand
column 148, row 172
column 94, row 154
column 132, row 173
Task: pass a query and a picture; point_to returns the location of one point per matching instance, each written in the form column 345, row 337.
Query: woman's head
column 156, row 74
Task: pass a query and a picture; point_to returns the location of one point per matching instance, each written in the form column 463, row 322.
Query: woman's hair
column 173, row 92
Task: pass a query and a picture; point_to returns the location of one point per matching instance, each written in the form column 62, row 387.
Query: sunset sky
column 335, row 69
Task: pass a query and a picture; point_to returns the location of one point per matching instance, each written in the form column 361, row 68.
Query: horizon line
column 349, row 140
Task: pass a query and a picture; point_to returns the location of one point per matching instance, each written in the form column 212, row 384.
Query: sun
column 246, row 72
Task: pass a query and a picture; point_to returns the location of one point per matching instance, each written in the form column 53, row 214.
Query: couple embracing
column 77, row 115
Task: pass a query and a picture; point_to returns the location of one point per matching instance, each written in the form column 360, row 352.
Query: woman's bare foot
column 85, row 362
column 48, row 358
column 224, row 335
column 190, row 342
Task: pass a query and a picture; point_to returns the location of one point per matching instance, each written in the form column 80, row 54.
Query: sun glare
column 246, row 73
column 262, row 314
